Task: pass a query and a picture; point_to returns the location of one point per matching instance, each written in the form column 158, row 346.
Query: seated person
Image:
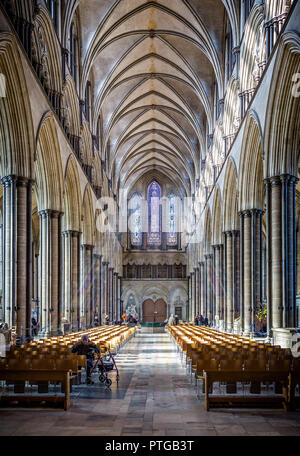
column 87, row 348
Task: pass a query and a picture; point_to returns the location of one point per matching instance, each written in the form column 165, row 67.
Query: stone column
column 188, row 312
column 116, row 317
column 17, row 254
column 96, row 286
column 229, row 281
column 218, row 279
column 198, row 292
column 72, row 278
column 282, row 257
column 87, row 291
column 236, row 273
column 110, row 293
column 192, row 296
column 209, row 298
column 246, row 272
column 202, row 287
column 104, row 290
column 256, row 263
column 196, row 288
column 50, row 271
column 120, row 305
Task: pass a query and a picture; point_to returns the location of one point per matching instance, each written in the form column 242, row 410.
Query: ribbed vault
column 155, row 67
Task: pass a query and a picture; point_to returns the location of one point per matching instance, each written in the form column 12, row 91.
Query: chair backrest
column 231, row 365
column 41, row 364
column 18, row 364
column 280, row 365
column 255, row 365
column 67, row 364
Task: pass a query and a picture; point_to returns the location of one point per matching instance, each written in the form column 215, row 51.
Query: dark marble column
column 202, row 287
column 236, row 273
column 218, row 280
column 282, row 258
column 209, row 290
column 229, row 282
column 51, row 271
column 17, row 254
column 87, row 295
column 105, row 290
column 96, row 287
column 192, row 316
column 72, row 278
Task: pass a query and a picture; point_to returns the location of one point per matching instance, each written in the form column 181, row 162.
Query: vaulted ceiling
column 154, row 66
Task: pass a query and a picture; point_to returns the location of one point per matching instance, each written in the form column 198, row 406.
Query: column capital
column 257, row 211
column 217, row 246
column 245, row 213
column 18, row 180
column 87, row 246
column 236, row 50
column 288, row 178
column 201, row 263
column 228, row 233
column 50, row 213
column 208, row 256
column 105, row 263
column 116, row 273
column 196, row 269
column 71, row 233
column 97, row 256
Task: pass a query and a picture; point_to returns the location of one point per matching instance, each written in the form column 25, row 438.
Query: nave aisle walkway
column 154, row 397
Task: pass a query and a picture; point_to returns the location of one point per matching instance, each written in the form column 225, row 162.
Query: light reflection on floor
column 154, row 398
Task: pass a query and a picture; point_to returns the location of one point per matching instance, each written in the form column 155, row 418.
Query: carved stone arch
column 217, row 218
column 230, row 198
column 251, row 174
column 44, row 35
column 16, row 136
column 72, row 197
column 88, row 232
column 282, row 126
column 48, row 166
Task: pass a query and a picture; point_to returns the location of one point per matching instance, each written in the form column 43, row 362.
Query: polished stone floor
column 154, row 398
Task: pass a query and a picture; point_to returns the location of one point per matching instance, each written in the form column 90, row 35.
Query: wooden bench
column 284, row 377
column 36, row 375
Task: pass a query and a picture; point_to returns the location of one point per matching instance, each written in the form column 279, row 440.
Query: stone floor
column 154, row 398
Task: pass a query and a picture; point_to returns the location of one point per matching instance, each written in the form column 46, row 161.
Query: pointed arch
column 230, row 198
column 88, row 232
column 217, row 218
column 251, row 173
column 16, row 136
column 48, row 166
column 282, row 127
column 72, row 197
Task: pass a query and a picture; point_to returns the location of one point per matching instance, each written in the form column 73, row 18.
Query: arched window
column 74, row 50
column 135, row 220
column 154, row 214
column 172, row 226
column 54, row 7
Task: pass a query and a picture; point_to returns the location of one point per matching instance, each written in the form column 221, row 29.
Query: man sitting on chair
column 87, row 348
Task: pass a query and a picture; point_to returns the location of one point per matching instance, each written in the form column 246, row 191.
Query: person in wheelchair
column 87, row 348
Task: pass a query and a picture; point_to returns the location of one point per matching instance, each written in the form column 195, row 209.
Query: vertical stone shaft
column 17, row 254
column 208, row 260
column 87, row 259
column 50, row 270
column 229, row 282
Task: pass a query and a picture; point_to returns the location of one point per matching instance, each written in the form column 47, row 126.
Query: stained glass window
column 154, row 213
column 135, row 218
column 172, row 235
